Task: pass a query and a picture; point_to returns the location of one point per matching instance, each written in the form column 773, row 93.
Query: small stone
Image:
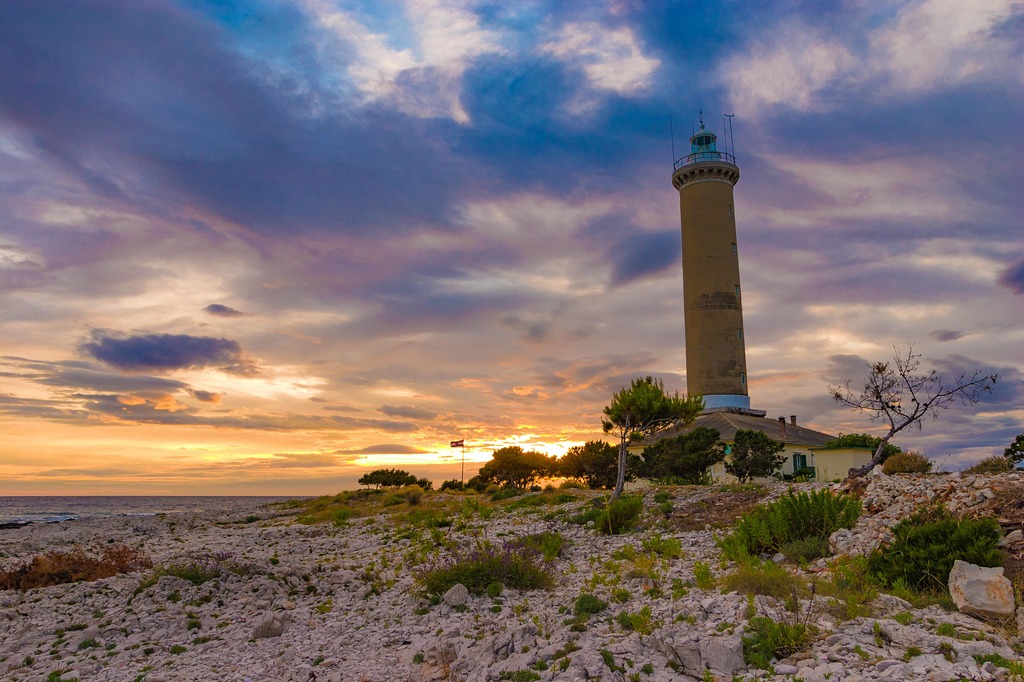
column 457, row 595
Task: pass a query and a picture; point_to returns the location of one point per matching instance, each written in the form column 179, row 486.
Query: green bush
column 643, row 621
column 805, row 550
column 798, row 516
column 548, row 544
column 587, row 603
column 505, row 494
column 991, row 465
column 851, row 585
column 765, row 578
column 667, row 548
column 925, row 546
column 909, row 462
column 615, row 517
column 514, row 565
column 771, row 639
column 620, row 515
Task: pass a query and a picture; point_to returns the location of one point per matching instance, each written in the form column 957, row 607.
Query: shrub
column 495, row 589
column 991, row 465
column 391, row 478
column 505, row 494
column 851, row 585
column 686, row 458
column 514, row 565
column 763, row 577
column 754, row 454
column 594, row 464
column 618, row 516
column 909, row 462
column 56, row 567
column 925, row 546
column 771, row 639
column 548, row 544
column 668, row 548
column 587, row 603
column 804, row 550
column 792, row 517
column 702, row 575
column 642, row 621
column 452, row 484
column 413, row 494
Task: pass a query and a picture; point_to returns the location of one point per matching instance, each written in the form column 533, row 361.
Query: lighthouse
column 716, row 363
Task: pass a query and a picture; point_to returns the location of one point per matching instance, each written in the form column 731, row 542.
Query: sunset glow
column 262, row 247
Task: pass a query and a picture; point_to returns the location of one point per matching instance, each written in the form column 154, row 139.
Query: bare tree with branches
column 899, row 394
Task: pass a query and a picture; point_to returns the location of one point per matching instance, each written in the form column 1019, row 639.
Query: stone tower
column 716, row 363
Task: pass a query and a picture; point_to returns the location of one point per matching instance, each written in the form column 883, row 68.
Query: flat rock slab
column 982, row 592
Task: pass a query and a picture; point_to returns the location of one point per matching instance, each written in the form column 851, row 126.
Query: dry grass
column 715, row 506
column 56, row 567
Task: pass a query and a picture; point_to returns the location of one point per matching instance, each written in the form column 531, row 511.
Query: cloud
column 194, row 131
column 222, row 310
column 923, row 47
column 943, row 335
column 206, row 396
column 168, row 352
column 611, row 59
column 1013, row 277
column 423, row 77
column 408, row 411
column 385, row 449
column 644, row 254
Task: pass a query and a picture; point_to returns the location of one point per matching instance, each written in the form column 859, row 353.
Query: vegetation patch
column 763, row 578
column 615, row 517
column 909, row 462
column 57, row 567
column 513, row 564
column 793, row 517
column 717, row 510
column 925, row 546
column 770, row 639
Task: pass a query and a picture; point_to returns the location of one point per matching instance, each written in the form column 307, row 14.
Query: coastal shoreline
column 299, row 602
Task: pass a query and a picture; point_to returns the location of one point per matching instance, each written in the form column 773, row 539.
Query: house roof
column 728, row 423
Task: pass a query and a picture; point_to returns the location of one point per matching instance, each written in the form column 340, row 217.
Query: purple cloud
column 1013, row 277
column 168, row 352
column 221, row 310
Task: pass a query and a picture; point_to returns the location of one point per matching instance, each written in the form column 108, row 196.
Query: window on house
column 799, row 461
column 737, row 291
column 734, row 247
column 743, row 379
column 730, row 210
column 739, row 334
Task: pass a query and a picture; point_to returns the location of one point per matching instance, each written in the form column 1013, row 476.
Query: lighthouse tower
column 716, row 363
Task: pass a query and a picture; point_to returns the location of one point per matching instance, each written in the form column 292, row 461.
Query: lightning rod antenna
column 732, row 138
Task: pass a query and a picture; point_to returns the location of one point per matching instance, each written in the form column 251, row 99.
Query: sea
column 17, row 511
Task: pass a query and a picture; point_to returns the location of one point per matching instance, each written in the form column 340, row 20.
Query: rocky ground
column 305, row 602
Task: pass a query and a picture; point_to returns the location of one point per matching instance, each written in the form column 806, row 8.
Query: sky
column 264, row 246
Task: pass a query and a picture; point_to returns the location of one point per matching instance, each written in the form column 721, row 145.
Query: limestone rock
column 457, row 595
column 271, row 625
column 983, row 592
column 723, row 654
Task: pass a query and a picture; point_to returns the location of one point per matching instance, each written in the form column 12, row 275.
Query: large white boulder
column 982, row 592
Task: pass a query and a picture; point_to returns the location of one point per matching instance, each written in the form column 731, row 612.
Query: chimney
column 792, row 419
column 782, row 426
